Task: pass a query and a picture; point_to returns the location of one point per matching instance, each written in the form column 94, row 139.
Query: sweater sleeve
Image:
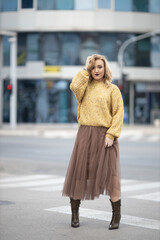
column 79, row 84
column 117, row 115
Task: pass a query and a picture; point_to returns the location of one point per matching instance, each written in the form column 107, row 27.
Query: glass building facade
column 152, row 6
column 70, row 48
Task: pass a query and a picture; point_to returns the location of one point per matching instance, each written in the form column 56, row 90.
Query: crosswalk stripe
column 55, row 183
column 48, row 188
column 128, row 181
column 25, row 178
column 143, row 186
column 149, row 196
column 136, row 137
column 32, row 183
column 106, row 216
column 154, row 138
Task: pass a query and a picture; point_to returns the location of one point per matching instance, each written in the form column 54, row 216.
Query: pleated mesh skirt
column 93, row 169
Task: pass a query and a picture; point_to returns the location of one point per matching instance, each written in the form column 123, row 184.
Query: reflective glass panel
column 8, row 5
column 142, row 56
column 140, row 5
column 129, row 53
column 89, row 45
column 32, row 45
column 154, row 6
column 22, row 53
column 51, row 49
column 84, row 5
column 44, row 101
column 125, row 5
column 6, row 50
column 155, row 51
column 27, row 3
column 46, row 4
column 70, row 49
column 0, row 5
column 64, row 4
column 108, row 46
column 104, row 3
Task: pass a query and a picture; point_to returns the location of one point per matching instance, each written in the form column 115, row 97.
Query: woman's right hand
column 88, row 61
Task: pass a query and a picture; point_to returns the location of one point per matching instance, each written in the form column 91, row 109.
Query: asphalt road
column 32, row 171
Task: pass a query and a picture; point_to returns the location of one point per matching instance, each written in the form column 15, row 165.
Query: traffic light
column 9, row 88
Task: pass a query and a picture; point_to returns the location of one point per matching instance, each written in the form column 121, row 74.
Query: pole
column 13, row 97
column 1, row 83
column 121, row 65
column 131, row 103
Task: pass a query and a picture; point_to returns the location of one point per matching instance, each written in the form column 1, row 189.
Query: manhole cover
column 6, row 203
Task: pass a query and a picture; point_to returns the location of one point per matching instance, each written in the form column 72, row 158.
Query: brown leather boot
column 75, row 212
column 116, row 215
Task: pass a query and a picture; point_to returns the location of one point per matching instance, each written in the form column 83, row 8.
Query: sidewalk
column 52, row 129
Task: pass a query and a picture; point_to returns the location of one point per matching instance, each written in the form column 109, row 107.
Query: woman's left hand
column 108, row 142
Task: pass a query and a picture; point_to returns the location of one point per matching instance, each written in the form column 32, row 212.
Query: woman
column 94, row 164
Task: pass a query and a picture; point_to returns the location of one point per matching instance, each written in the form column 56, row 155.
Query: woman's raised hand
column 87, row 61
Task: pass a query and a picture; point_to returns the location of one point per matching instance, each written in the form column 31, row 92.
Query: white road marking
column 128, row 181
column 155, row 197
column 60, row 134
column 143, row 186
column 154, row 138
column 32, row 183
column 48, row 188
column 136, row 137
column 106, row 216
column 25, row 178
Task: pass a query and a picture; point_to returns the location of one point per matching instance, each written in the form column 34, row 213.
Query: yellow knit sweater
column 98, row 104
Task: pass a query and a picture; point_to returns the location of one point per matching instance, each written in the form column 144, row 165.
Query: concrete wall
column 99, row 20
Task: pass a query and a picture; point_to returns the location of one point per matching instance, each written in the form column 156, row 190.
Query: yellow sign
column 52, row 69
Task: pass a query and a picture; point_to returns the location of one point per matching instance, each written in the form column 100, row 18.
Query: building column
column 13, row 79
column 1, row 83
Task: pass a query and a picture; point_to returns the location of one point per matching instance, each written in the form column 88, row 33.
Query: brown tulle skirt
column 93, row 169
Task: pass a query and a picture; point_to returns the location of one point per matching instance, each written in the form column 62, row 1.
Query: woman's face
column 98, row 70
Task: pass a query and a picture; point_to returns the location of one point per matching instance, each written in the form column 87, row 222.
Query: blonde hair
column 107, row 73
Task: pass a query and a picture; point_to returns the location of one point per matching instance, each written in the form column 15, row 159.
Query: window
column 6, row 51
column 84, row 5
column 51, row 49
column 143, row 52
column 64, row 4
column 46, row 4
column 70, row 49
column 154, row 6
column 104, row 3
column 89, row 45
column 43, row 101
column 108, row 46
column 22, row 49
column 129, row 53
column 125, row 5
column 155, row 51
column 8, row 5
column 27, row 3
column 32, row 45
column 140, row 5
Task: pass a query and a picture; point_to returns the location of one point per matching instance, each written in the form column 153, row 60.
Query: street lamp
column 121, row 65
